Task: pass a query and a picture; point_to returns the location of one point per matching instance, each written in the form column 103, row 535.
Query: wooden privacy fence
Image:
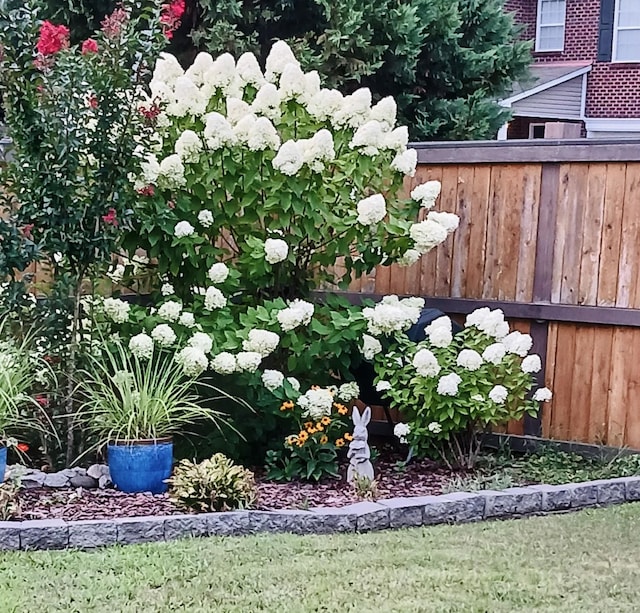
column 550, row 233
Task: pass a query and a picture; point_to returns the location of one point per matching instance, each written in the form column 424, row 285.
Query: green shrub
column 216, row 484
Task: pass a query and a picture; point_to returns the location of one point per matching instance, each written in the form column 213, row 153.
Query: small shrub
column 477, row 482
column 216, row 484
column 9, row 505
column 365, row 488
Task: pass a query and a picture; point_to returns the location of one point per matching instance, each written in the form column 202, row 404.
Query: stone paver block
column 369, row 516
column 44, row 534
column 632, row 488
column 331, row 520
column 610, row 491
column 183, row 526
column 92, row 533
column 513, row 502
column 583, row 494
column 469, row 507
column 133, row 530
column 405, row 512
column 554, row 497
column 228, row 523
column 9, row 535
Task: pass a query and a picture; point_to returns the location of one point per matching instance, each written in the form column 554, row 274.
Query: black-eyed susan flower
column 326, row 420
column 324, row 439
column 340, row 442
column 303, row 436
column 348, row 437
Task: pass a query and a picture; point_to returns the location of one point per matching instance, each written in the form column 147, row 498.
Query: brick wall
column 613, row 90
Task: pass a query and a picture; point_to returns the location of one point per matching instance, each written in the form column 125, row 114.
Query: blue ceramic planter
column 141, row 466
column 3, row 462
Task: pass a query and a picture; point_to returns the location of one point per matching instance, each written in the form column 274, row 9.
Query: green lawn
column 587, row 562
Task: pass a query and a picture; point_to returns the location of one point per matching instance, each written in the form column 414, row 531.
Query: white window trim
column 538, row 28
column 616, row 29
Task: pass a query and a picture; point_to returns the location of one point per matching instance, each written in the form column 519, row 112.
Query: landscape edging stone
column 453, row 508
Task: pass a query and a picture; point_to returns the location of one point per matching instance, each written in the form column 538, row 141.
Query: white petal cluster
column 385, row 112
column 171, row 172
column 214, row 299
column 198, row 70
column 316, row 403
column 449, row 221
column 188, row 146
column 440, row 332
column 543, row 395
column 397, row 139
column 167, row 69
column 298, row 313
column 369, row 138
column 427, row 234
column 218, row 132
column 218, row 272
column 150, row 170
column 262, row 135
column 518, row 343
column 263, row 342
column 406, row 162
column 201, row 341
column 469, row 359
column 294, row 383
column 164, row 335
column 354, row 110
column 348, row 391
column 205, row 218
column 221, row 75
column 498, row 394
column 409, row 258
column 292, row 82
column 426, row 193
column 392, row 315
column 448, row 384
column 116, row 310
column 167, row 289
column 267, row 102
column 426, row 363
column 248, row 361
column 275, row 250
column 289, row 159
column 187, row 319
column 434, row 427
column 494, row 353
column 370, row 347
column 187, row 99
column 278, row 58
column 325, row 105
column 531, row 364
column 401, row 431
column 170, row 311
column 490, row 322
column 193, row 361
column 249, row 71
column 141, row 346
column 371, row 210
column 318, row 150
column 272, row 379
column 383, row 386
column 183, row 229
column 224, row 363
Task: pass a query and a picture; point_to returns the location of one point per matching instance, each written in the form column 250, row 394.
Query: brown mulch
column 417, row 479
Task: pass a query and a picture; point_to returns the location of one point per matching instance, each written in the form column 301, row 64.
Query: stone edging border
column 458, row 507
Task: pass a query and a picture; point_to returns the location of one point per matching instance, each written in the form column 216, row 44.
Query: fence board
column 478, row 223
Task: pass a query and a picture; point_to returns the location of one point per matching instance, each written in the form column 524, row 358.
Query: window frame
column 539, row 27
column 616, row 28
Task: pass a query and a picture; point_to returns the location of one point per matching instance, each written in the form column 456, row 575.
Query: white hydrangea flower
column 167, row 69
column 292, row 82
column 199, row 68
column 218, row 272
column 248, row 361
column 294, row 383
column 325, row 104
column 172, row 172
column 469, row 359
column 205, row 218
column 427, row 234
column 434, row 427
column 409, row 258
column 318, row 149
column 531, row 364
column 249, row 71
column 383, row 386
column 392, row 315
column 498, row 394
column 426, row 363
column 187, row 319
column 449, row 221
column 267, row 102
column 405, row 162
column 279, row 56
column 183, row 229
column 116, row 310
column 224, row 363
column 448, row 384
column 440, row 332
column 237, row 110
column 370, row 347
column 218, row 132
column 263, row 342
column 490, row 322
column 494, row 353
column 150, row 170
column 543, row 395
column 369, row 138
column 275, row 250
column 214, row 299
column 317, row 403
column 385, row 112
column 401, row 431
column 296, row 314
column 167, row 289
column 354, row 110
column 426, row 193
column 193, row 361
column 272, row 379
column 312, row 87
column 220, row 75
column 189, row 146
column 289, row 159
column 202, row 341
column 397, row 139
column 170, row 310
column 518, row 343
column 348, row 391
column 263, row 135
column 244, row 128
column 371, row 210
column 164, row 335
column 187, row 99
column 141, row 346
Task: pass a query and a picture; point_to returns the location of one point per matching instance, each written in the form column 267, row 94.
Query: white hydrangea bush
column 451, row 387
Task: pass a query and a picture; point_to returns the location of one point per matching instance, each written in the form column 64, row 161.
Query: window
column 550, row 25
column 536, row 130
column 626, row 32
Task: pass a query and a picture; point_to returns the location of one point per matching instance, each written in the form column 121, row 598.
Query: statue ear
column 355, row 415
column 366, row 416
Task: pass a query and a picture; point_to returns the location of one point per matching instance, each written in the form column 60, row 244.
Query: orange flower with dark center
column 308, row 424
column 319, row 427
column 348, row 437
column 340, row 442
column 302, row 436
column 325, row 421
column 324, row 439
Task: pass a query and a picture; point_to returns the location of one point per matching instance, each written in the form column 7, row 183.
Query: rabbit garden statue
column 359, row 454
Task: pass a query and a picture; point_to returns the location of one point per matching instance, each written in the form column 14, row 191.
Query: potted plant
column 135, row 404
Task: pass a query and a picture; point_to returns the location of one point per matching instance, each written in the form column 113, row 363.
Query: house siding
column 562, row 101
column 613, row 90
